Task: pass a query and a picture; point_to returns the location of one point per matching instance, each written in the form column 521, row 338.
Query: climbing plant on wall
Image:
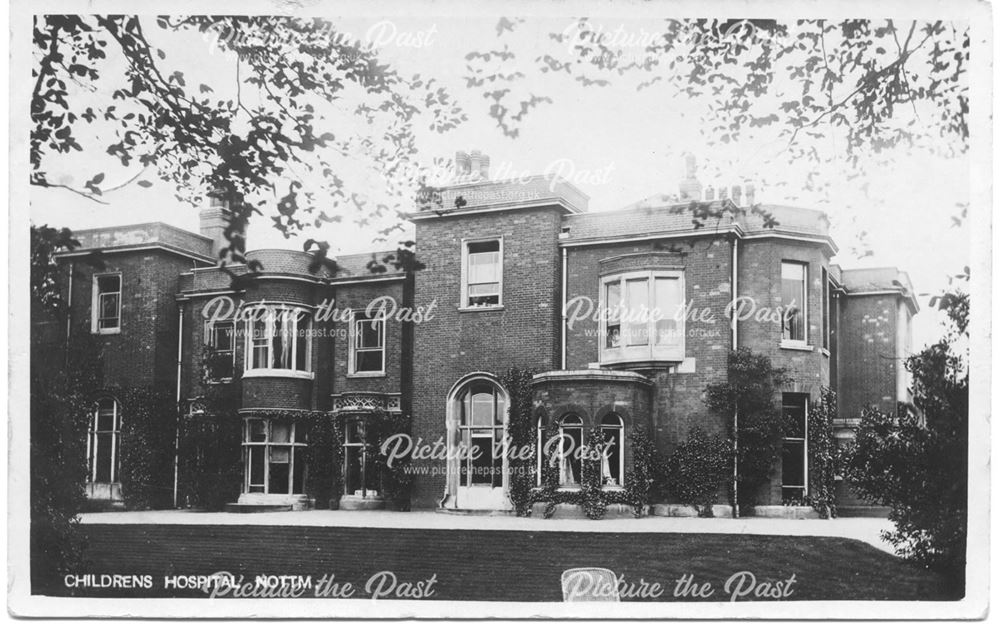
column 146, row 446
column 209, row 470
column 521, row 435
column 825, row 457
column 749, row 395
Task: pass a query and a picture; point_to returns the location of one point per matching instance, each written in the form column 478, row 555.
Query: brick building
column 623, row 316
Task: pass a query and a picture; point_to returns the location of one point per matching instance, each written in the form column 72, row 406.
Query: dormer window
column 482, row 274
column 642, row 317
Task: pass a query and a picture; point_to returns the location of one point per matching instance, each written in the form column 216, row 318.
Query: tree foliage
column 866, row 82
column 267, row 146
column 916, row 462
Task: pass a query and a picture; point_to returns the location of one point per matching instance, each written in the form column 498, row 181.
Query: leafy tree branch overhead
column 273, row 143
column 822, row 91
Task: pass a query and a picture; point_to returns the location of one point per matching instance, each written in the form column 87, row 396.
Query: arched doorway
column 477, row 435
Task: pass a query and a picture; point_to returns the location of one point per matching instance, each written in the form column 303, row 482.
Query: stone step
column 246, row 507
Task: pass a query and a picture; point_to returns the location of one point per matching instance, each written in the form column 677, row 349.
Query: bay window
column 278, row 341
column 793, row 300
column 612, row 450
column 570, row 450
column 642, row 317
column 273, row 457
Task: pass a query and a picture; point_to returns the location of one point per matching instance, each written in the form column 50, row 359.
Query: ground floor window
column 360, row 475
column 103, row 441
column 570, row 450
column 482, row 412
column 273, row 456
column 793, row 453
column 613, row 450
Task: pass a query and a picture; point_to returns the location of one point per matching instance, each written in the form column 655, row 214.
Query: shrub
column 210, row 464
column 698, row 469
column 917, row 463
column 324, row 455
column 146, row 449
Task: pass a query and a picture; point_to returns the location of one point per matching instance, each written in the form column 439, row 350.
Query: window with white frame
column 367, row 345
column 793, row 300
column 570, row 450
column 221, row 355
column 482, row 273
column 103, row 442
column 794, row 466
column 642, row 317
column 106, row 312
column 273, row 457
column 612, row 450
column 278, row 340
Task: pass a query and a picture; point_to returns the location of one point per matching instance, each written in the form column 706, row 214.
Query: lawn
column 502, row 565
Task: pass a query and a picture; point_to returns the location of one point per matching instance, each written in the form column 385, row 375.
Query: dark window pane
column 298, row 478
column 108, row 284
column 482, row 460
column 105, row 442
column 794, row 405
column 369, row 361
column 793, row 463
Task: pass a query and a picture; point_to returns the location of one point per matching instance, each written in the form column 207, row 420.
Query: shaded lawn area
column 487, row 565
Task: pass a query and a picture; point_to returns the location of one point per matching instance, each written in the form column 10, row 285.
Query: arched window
column 613, row 450
column 482, row 410
column 570, row 450
column 102, row 441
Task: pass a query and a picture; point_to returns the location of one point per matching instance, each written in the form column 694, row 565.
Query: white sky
column 631, row 143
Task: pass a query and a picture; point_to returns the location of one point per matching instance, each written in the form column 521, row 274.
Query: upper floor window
column 793, row 299
column 642, row 317
column 106, row 313
column 482, row 273
column 824, row 298
column 221, row 355
column 367, row 345
column 278, row 340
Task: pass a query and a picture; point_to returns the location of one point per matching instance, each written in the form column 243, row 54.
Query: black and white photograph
column 625, row 309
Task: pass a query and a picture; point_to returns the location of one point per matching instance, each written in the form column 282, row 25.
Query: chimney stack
column 213, row 222
column 737, row 195
column 710, row 193
column 472, row 166
column 750, row 194
column 690, row 187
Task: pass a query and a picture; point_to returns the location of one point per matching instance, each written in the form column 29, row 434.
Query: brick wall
column 144, row 352
column 678, row 401
column 867, row 353
column 454, row 343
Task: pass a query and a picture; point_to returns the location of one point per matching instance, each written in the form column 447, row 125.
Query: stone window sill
column 795, row 345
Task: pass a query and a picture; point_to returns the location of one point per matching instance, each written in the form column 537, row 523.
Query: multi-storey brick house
column 515, row 274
